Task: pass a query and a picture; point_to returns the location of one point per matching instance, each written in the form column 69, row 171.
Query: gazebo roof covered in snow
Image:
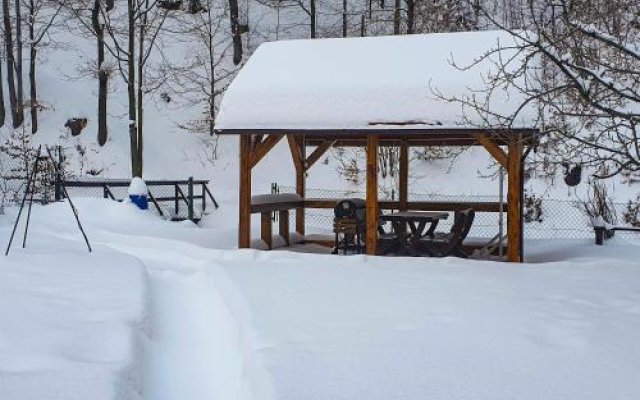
column 384, row 83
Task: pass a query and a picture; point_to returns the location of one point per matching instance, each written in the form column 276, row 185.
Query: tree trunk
column 33, row 52
column 19, row 63
column 235, row 31
column 140, row 82
column 8, row 45
column 312, row 16
column 103, row 76
column 411, row 7
column 33, row 103
column 212, row 81
column 136, row 167
column 396, row 17
column 2, row 110
column 345, row 24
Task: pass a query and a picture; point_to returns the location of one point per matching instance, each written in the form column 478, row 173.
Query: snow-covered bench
column 266, row 205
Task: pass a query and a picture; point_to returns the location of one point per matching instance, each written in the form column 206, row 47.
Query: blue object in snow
column 140, row 201
column 138, row 193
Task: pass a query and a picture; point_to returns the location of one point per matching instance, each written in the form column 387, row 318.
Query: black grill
column 350, row 208
column 349, row 225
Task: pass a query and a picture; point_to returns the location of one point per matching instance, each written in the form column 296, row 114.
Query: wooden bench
column 604, row 232
column 266, row 205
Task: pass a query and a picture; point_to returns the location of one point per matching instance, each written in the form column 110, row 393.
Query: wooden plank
column 271, row 207
column 492, row 148
column 403, row 182
column 264, row 148
column 265, row 229
column 244, row 185
column 283, row 228
column 318, row 152
column 320, row 242
column 514, row 199
column 384, row 132
column 372, row 194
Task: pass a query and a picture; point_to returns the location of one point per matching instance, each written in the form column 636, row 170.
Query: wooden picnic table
column 406, row 241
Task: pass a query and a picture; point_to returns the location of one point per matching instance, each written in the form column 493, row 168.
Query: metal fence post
column 176, row 206
column 57, row 188
column 204, row 198
column 275, row 189
column 190, row 198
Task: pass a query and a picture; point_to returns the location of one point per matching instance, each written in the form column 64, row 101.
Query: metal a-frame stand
column 29, row 191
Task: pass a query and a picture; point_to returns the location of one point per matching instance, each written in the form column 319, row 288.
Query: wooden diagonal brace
column 490, row 145
column 318, row 152
column 296, row 154
column 263, row 148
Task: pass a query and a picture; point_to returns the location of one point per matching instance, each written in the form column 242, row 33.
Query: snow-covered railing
column 175, row 192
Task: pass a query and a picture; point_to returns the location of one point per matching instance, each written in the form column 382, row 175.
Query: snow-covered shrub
column 598, row 204
column 532, row 208
column 631, row 214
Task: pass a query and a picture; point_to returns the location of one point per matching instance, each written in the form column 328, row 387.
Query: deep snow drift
column 71, row 323
column 227, row 324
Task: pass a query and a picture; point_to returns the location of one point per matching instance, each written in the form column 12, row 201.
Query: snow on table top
column 366, row 83
column 331, row 327
column 275, row 198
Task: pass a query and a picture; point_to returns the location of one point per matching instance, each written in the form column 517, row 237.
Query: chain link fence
column 171, row 199
column 550, row 219
column 16, row 167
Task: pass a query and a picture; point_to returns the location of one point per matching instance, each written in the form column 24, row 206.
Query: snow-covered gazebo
column 377, row 91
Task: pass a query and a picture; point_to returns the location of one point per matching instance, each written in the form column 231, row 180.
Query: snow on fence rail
column 561, row 219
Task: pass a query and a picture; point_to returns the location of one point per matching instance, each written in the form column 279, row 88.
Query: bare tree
column 19, row 61
column 2, row 109
column 42, row 16
column 131, row 37
column 16, row 108
column 585, row 60
column 103, row 71
column 200, row 80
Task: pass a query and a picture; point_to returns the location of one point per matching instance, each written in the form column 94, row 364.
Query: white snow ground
column 209, row 322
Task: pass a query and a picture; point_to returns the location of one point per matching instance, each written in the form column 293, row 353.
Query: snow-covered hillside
column 170, row 151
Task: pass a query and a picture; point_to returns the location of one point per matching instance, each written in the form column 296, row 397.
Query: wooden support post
column 244, row 197
column 403, row 189
column 265, row 229
column 298, row 153
column 514, row 200
column 372, row 193
column 283, row 220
